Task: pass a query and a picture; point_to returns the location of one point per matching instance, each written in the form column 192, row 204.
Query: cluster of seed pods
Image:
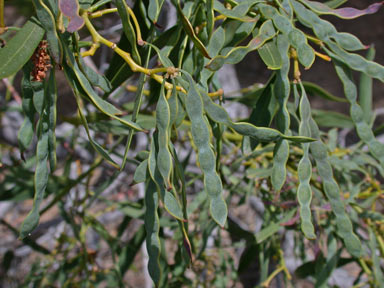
column 41, row 62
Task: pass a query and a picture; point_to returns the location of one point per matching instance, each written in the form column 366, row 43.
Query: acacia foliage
column 300, row 173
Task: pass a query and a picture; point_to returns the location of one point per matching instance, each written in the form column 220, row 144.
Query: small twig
column 14, row 93
column 2, row 24
column 102, row 12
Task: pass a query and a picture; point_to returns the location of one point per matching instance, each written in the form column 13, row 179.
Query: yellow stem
column 296, row 69
column 169, row 94
column 323, row 56
column 97, row 38
column 102, row 12
column 2, row 24
column 132, row 88
column 91, row 51
column 137, row 26
column 283, row 265
column 219, row 93
column 365, row 266
column 267, row 282
column 314, row 40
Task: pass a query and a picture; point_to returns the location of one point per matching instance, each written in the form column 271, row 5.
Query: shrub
column 276, row 162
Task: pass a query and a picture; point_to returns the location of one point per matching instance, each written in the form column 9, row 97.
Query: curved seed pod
column 362, row 127
column 48, row 21
column 164, row 158
column 41, row 170
column 152, row 228
column 304, row 192
column 201, row 138
column 366, row 89
column 280, row 158
column 51, row 97
column 282, row 91
column 210, row 18
column 296, row 37
column 270, row 55
column 357, row 62
column 262, row 134
column 25, row 133
column 324, row 30
column 40, row 183
column 286, row 8
column 171, row 204
column 332, row 191
column 266, row 32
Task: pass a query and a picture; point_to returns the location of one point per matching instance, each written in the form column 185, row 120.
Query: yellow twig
column 296, row 69
column 2, row 24
column 137, row 27
column 97, row 38
column 102, row 12
column 323, row 56
column 267, row 282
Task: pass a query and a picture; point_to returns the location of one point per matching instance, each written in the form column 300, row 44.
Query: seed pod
column 41, row 62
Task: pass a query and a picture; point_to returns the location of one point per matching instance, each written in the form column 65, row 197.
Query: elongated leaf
column 104, row 106
column 20, row 48
column 326, row 118
column 76, row 87
column 95, row 78
column 273, row 227
column 152, row 227
column 191, row 33
column 129, row 31
column 313, row 88
column 345, row 12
